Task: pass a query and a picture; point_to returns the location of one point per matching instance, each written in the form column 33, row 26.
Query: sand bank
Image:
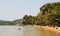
column 50, row 28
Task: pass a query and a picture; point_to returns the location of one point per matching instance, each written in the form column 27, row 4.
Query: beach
column 50, row 28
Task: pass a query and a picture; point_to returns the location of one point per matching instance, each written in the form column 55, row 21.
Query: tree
column 49, row 14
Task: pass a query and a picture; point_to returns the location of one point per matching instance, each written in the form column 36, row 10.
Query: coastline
column 50, row 28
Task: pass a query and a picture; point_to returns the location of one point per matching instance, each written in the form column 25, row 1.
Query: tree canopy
column 49, row 15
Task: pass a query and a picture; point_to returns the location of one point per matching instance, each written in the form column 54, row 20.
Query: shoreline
column 50, row 28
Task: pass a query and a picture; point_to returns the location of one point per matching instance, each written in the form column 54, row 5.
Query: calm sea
column 11, row 31
column 18, row 31
column 25, row 31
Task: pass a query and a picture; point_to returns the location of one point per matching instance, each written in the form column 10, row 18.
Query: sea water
column 18, row 31
column 25, row 31
column 11, row 31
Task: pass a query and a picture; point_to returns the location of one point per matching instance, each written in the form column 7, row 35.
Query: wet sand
column 48, row 31
column 50, row 28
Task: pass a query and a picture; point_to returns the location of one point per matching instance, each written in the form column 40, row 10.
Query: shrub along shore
column 49, row 15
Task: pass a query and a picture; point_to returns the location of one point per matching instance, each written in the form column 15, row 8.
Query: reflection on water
column 48, row 33
column 25, row 31
column 29, row 31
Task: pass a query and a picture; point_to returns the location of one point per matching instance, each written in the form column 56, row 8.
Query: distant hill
column 4, row 22
column 17, row 21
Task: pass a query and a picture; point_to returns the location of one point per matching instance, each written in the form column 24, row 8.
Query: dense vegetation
column 29, row 20
column 4, row 22
column 17, row 21
column 49, row 15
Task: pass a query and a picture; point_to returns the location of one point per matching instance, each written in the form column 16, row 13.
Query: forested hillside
column 49, row 15
column 17, row 21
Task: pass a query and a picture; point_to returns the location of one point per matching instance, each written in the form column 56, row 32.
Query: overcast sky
column 16, row 9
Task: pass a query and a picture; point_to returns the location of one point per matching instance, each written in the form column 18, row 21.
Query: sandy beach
column 50, row 28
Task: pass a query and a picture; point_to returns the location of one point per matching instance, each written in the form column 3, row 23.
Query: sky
column 16, row 9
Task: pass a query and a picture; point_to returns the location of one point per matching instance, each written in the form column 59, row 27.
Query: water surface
column 10, row 31
column 25, row 31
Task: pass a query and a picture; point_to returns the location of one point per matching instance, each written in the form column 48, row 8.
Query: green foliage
column 50, row 14
column 29, row 20
column 4, row 22
column 18, row 21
